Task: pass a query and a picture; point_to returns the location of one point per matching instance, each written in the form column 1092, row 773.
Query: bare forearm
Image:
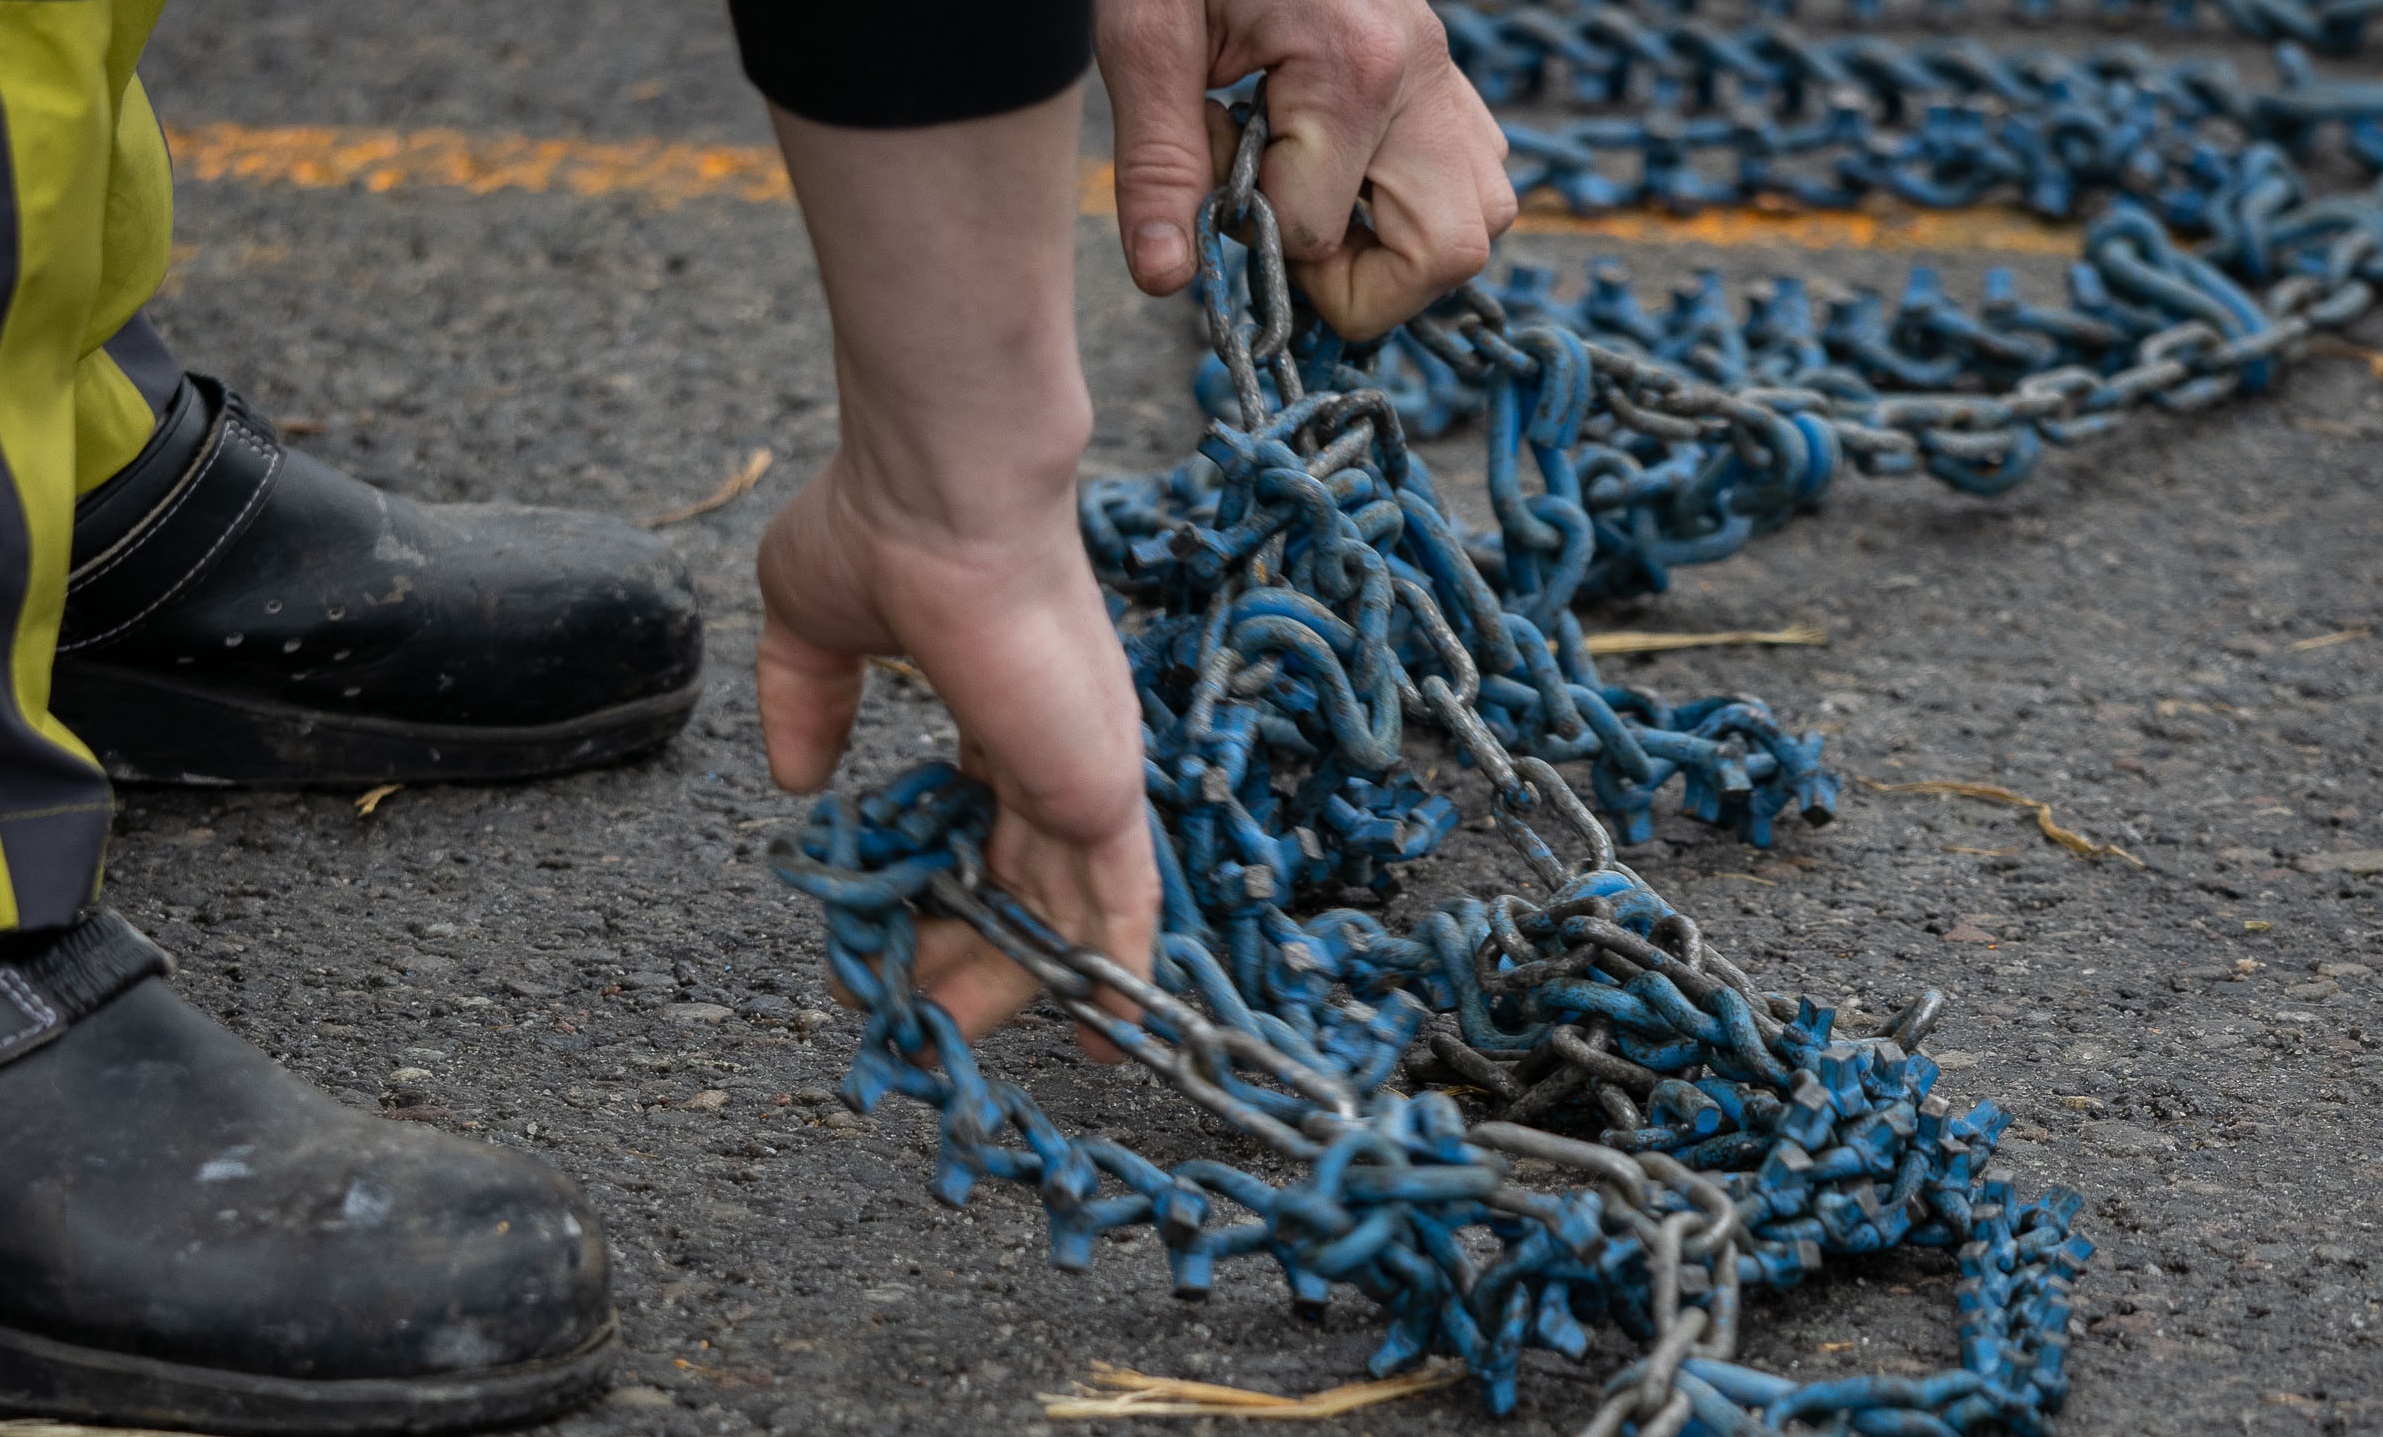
column 948, row 258
column 945, row 524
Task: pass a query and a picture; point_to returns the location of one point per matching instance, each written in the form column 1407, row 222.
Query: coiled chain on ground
column 2337, row 27
column 1297, row 594
column 1674, row 434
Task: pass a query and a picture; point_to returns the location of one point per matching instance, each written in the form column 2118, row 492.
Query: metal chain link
column 1301, row 596
column 2335, row 27
column 1676, row 436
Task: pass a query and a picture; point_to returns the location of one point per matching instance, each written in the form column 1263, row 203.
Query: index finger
column 1438, row 197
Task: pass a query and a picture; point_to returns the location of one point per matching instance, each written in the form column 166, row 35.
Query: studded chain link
column 1299, row 596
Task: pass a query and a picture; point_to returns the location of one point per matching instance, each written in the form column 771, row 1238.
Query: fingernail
column 1159, row 249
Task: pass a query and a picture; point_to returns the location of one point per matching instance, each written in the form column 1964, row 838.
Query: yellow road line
column 672, row 172
column 1989, row 228
column 337, row 156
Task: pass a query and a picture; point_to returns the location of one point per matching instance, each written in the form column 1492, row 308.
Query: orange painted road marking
column 337, row 156
column 1990, row 228
column 672, row 172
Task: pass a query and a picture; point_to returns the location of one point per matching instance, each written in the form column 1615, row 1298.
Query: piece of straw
column 1137, row 1394
column 1629, row 641
column 2327, row 641
column 899, row 668
column 2335, row 347
column 738, row 482
column 370, row 799
column 2076, row 843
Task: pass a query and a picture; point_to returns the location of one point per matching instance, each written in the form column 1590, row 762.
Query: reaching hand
column 1362, row 101
column 945, row 526
column 1018, row 643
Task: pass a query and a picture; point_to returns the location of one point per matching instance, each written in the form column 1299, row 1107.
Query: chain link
column 1300, row 595
column 1670, row 437
column 1592, row 30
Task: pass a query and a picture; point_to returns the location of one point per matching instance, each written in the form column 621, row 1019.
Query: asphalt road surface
column 601, row 970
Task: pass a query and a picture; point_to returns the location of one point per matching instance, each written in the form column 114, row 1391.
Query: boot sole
column 148, row 729
column 41, row 1377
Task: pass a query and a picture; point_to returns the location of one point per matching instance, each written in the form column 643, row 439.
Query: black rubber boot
column 241, row 613
column 192, row 1238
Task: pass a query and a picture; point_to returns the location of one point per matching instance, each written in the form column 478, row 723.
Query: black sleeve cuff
column 897, row 64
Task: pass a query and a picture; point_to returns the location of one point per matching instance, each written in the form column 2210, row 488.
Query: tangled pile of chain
column 2337, row 27
column 1661, row 469
column 1296, row 593
column 1299, row 593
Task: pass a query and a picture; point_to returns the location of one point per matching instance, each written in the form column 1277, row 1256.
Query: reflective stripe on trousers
column 86, row 218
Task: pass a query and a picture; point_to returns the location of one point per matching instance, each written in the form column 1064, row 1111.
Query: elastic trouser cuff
column 902, row 64
column 42, row 995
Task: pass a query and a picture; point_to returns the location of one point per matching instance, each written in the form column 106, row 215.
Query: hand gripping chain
column 1671, row 436
column 1304, row 598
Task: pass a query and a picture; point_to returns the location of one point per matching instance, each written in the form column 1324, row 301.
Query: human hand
column 945, row 526
column 1362, row 100
column 1037, row 683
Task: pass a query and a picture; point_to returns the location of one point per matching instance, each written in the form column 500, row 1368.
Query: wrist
column 850, row 554
column 1005, row 493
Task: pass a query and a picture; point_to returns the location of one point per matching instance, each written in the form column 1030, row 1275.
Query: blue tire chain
column 1649, row 474
column 1300, row 594
column 2337, row 27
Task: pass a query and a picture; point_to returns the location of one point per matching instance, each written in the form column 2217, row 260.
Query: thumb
column 809, row 698
column 1154, row 60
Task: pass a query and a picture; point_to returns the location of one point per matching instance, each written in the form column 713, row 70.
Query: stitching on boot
column 232, row 429
column 156, row 523
column 29, row 1002
column 257, row 444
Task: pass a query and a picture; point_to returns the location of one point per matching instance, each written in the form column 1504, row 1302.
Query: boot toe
column 562, row 614
column 279, row 621
column 181, row 1198
column 428, row 1254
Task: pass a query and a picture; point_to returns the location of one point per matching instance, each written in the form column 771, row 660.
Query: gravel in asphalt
column 600, row 969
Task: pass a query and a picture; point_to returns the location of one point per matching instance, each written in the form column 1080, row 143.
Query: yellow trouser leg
column 85, row 221
column 124, row 376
